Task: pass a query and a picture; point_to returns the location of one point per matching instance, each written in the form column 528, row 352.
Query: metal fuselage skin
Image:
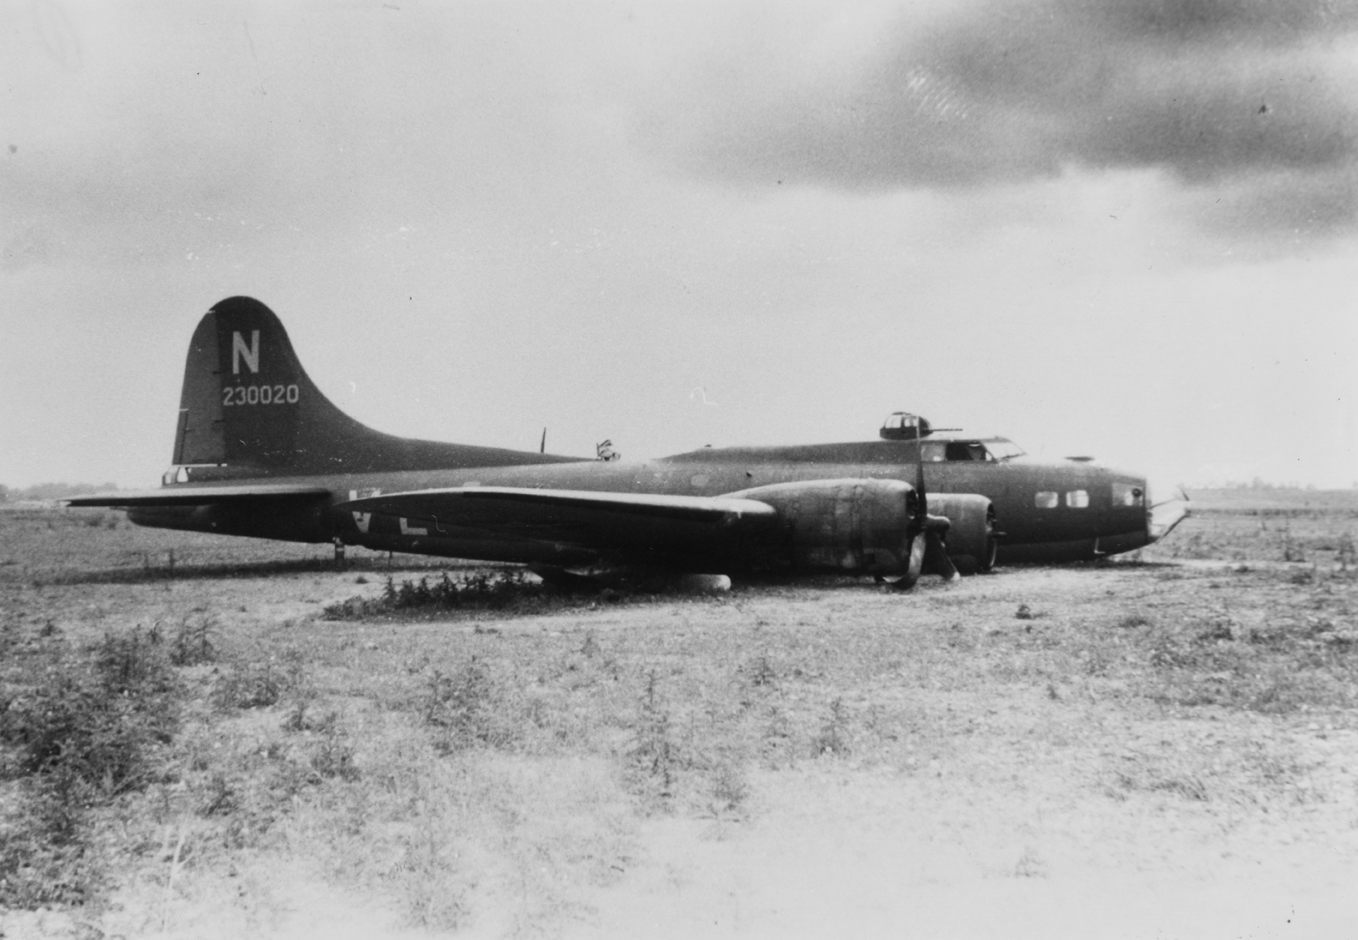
column 1069, row 529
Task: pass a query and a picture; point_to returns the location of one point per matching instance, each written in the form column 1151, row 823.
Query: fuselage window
column 1077, row 499
column 934, row 451
column 1045, row 500
column 1128, row 494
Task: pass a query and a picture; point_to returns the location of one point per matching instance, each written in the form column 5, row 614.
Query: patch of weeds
column 1095, row 660
column 463, row 706
column 653, row 758
column 253, row 685
column 1024, row 612
column 729, row 787
column 760, row 672
column 1276, row 694
column 192, row 644
column 1030, row 865
column 590, row 648
column 44, row 861
column 97, row 721
column 1346, row 554
column 296, row 719
column 334, row 756
column 1167, row 653
column 776, row 740
column 1188, row 786
column 133, row 663
column 1132, row 621
column 1217, row 630
column 80, row 730
column 221, row 798
column 485, row 590
column 833, row 737
column 1291, row 548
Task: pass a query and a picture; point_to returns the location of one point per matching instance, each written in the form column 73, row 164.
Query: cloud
column 1213, row 93
column 139, row 133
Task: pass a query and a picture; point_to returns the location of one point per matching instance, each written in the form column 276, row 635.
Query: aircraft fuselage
column 1048, row 512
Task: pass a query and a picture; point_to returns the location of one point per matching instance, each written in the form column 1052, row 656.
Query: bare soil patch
column 1162, row 746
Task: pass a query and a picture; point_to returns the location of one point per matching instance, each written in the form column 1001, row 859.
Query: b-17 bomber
column 259, row 451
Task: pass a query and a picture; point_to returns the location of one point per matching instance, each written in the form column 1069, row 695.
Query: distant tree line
column 52, row 490
column 1259, row 484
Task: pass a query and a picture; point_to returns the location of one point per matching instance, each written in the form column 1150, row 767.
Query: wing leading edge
column 203, row 495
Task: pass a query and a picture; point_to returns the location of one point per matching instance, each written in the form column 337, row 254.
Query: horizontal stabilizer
column 599, row 520
column 202, row 495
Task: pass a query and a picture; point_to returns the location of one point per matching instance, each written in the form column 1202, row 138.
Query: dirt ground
column 1162, row 746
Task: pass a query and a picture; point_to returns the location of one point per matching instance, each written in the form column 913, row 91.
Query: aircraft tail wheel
column 912, row 571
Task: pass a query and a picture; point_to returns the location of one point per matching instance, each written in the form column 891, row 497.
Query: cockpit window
column 1077, row 499
column 1128, row 494
column 1045, row 500
column 1003, row 449
column 940, row 451
column 967, row 450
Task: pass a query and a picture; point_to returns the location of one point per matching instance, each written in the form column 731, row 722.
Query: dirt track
column 1133, row 750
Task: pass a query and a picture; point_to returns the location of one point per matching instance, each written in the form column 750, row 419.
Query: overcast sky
column 1112, row 228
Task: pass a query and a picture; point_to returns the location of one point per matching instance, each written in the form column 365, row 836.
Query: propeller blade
column 936, row 560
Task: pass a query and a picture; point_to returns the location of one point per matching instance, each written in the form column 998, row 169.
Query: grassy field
column 1160, row 746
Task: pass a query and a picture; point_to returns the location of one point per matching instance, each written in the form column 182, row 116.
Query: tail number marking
column 240, row 351
column 236, row 395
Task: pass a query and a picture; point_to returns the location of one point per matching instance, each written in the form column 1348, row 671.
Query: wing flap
column 202, row 495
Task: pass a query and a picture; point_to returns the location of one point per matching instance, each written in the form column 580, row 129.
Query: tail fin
column 248, row 404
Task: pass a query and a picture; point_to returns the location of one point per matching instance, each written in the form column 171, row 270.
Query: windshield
column 1002, row 448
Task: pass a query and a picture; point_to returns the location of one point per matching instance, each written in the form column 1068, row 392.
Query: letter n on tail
column 240, row 351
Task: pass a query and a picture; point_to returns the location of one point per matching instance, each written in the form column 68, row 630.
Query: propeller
column 1180, row 510
column 1180, row 496
column 933, row 530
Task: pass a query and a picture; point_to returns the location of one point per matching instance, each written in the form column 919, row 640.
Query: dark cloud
column 1212, row 92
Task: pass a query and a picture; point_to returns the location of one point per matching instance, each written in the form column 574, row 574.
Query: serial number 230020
column 259, row 395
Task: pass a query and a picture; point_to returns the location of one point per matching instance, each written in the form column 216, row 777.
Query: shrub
column 83, row 730
column 483, row 590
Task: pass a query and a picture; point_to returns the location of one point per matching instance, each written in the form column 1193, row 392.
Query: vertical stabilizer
column 248, row 404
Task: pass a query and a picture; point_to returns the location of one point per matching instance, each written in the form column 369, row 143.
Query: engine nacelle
column 859, row 525
column 971, row 537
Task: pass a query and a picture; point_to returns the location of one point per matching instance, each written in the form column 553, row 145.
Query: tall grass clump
column 468, row 708
column 653, row 760
column 78, row 729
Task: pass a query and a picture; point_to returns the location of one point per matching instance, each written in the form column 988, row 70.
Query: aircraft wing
column 201, row 495
column 602, row 521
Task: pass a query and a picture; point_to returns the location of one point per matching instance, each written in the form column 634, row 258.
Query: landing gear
column 339, row 553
